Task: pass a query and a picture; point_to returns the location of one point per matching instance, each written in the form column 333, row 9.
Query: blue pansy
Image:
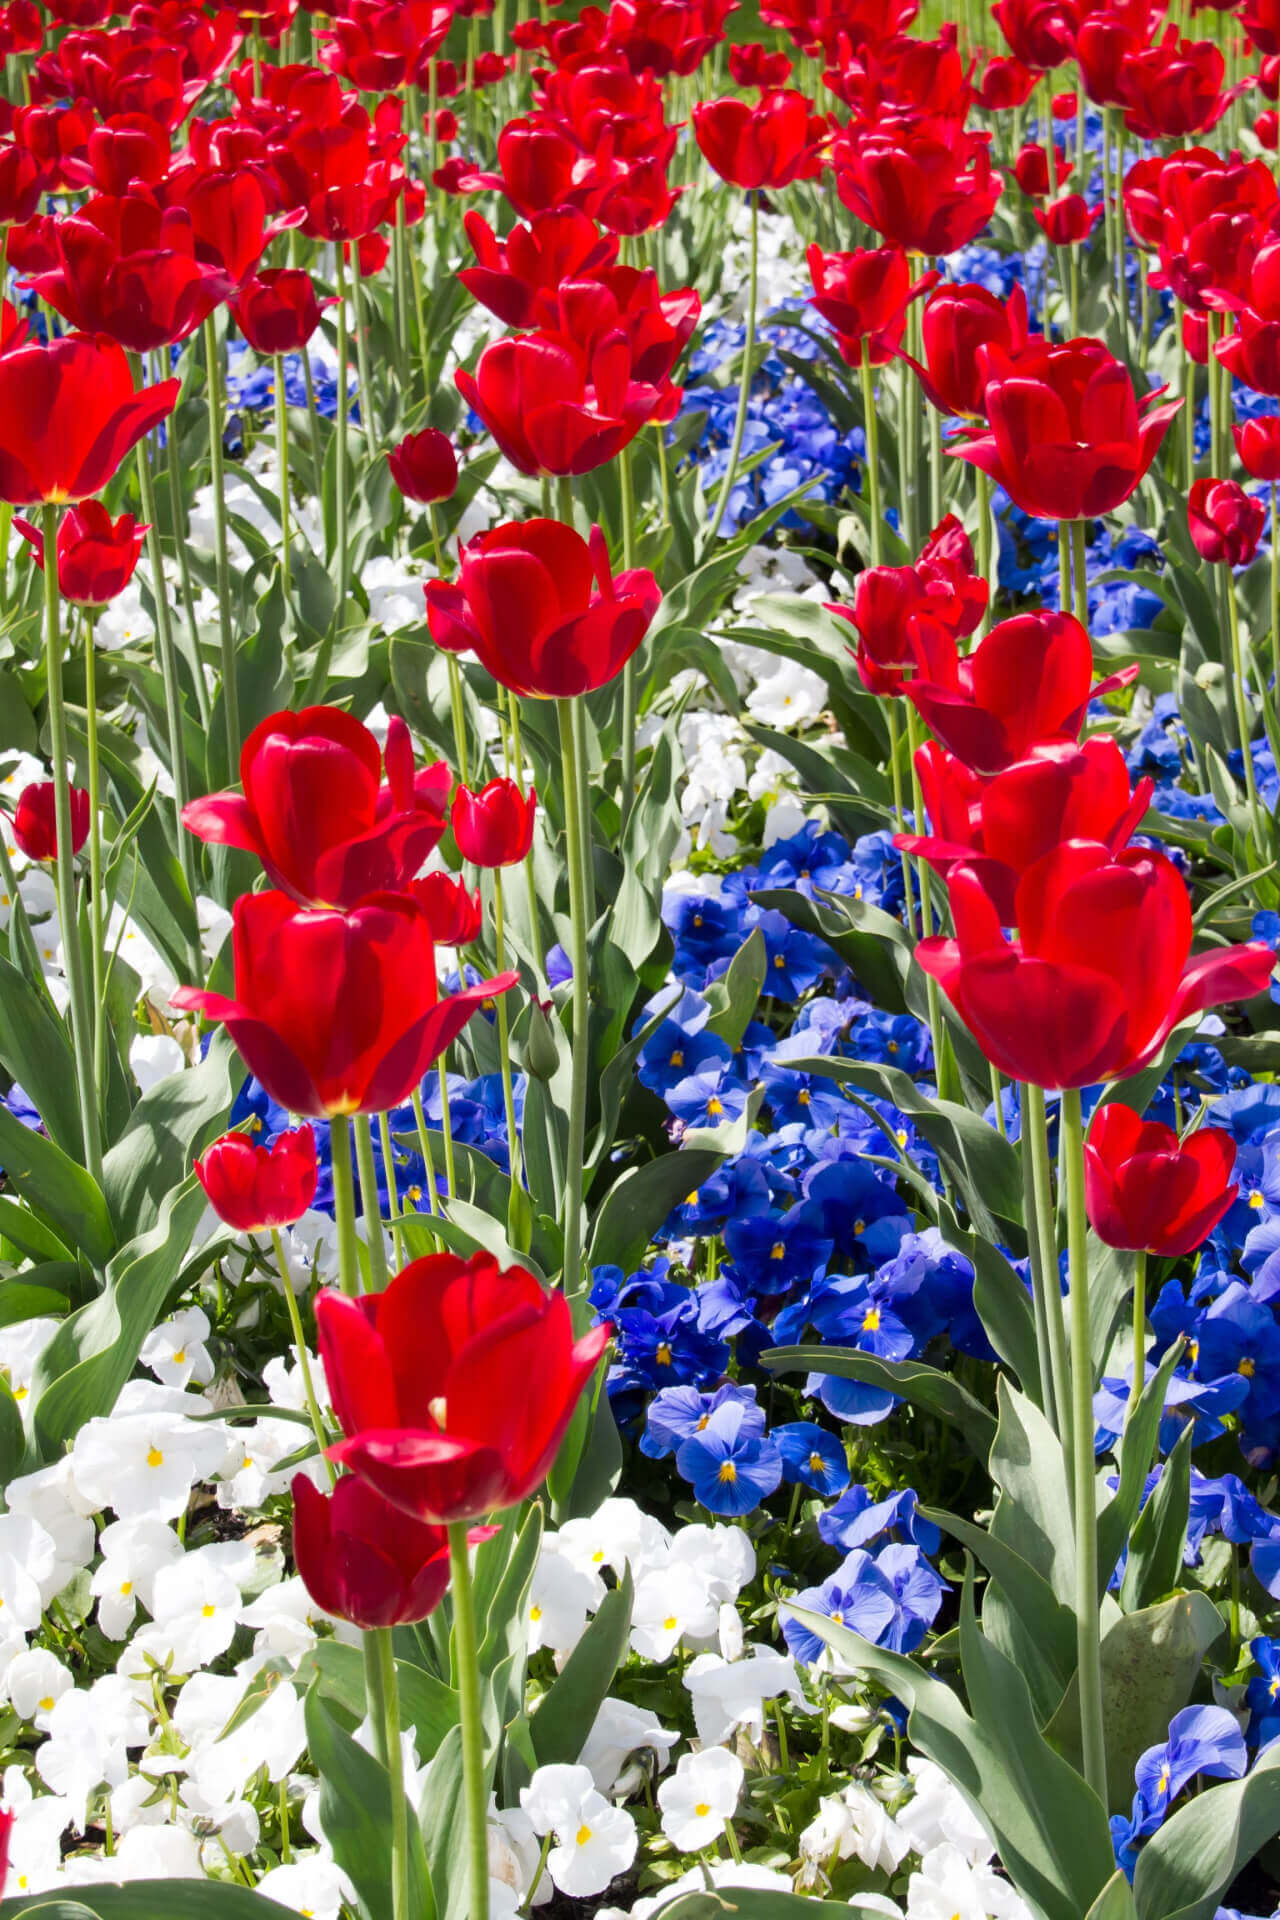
column 811, row 1457
column 729, row 1463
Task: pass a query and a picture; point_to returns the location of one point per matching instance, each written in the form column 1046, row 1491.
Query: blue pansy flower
column 729, row 1463
column 1201, row 1740
column 811, row 1457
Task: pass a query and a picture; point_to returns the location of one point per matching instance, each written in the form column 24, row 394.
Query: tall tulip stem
column 226, row 639
column 1139, row 1331
column 629, row 670
column 1084, row 1470
column 370, row 1202
column 1044, row 1227
column 474, row 1785
column 1240, row 698
column 341, row 423
column 576, row 857
column 1275, row 592
column 300, row 1344
column 382, row 1699
column 451, row 659
column 344, row 1205
column 504, row 1050
column 97, row 921
column 744, row 390
column 282, row 469
column 72, row 952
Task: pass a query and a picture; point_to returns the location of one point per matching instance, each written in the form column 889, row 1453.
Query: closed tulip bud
column 1031, row 170
column 277, row 312
column 96, row 554
column 454, row 915
column 494, row 827
column 541, row 1054
column 454, row 1386
column 1225, row 523
column 1068, row 221
column 424, row 466
column 35, row 828
column 362, row 1559
column 253, row 1188
column 1147, row 1191
column 1258, row 444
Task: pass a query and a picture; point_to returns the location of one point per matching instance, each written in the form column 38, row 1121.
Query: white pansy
column 728, row 1694
column 249, row 1472
column 156, row 1853
column 35, row 1838
column 728, row 1873
column 285, row 1618
column 271, row 1738
column 594, row 1840
column 699, row 1797
column 51, row 1498
column 619, row 1732
column 282, row 1377
column 616, row 1535
column 153, row 1057
column 671, row 1603
column 723, row 1557
column 28, row 1557
column 90, row 1733
column 514, row 1852
column 133, row 1552
column 937, row 1815
column 786, row 694
column 949, row 1887
column 35, row 1681
column 143, row 1460
column 20, row 1348
column 853, row 1823
column 560, row 1596
column 175, row 1351
column 315, row 1887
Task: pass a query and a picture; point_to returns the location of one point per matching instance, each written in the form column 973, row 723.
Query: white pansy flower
column 594, row 1840
column 619, row 1732
column 699, row 1797
column 728, row 1694
column 153, row 1057
column 315, row 1887
column 670, row 1604
column 20, row 1349
column 51, row 1498
column 90, row 1733
column 560, row 1596
column 949, row 1887
column 175, row 1351
column 35, row 1681
column 145, row 1463
column 938, row 1815
column 133, row 1552
column 28, row 1556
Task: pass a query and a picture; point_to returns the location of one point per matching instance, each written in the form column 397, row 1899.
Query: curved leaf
column 1187, row 1866
column 923, row 1386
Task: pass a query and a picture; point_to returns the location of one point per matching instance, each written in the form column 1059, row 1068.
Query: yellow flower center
column 728, row 1472
column 154, row 1457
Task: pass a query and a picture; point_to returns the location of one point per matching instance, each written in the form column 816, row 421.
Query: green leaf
column 1136, row 1452
column 30, row 1235
column 1187, row 1866
column 1033, row 1510
column 1115, row 1902
column 427, row 1706
column 36, row 1049
column 442, row 1817
column 922, row 1386
column 1158, row 1539
column 81, row 1371
column 1150, row 1662
column 733, row 997
column 755, row 1903
column 173, row 1121
column 564, row 1717
column 38, row 1171
column 639, row 1201
column 1048, row 1627
column 144, row 1900
column 355, row 1808
column 873, row 945
column 1049, row 1828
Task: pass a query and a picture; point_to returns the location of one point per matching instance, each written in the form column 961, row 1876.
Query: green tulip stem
column 313, row 427
column 1139, row 1331
column 393, row 1193
column 65, row 875
column 446, row 1124
column 344, row 1205
column 282, row 469
column 178, row 515
column 890, row 706
column 871, row 460
column 304, row 1358
column 226, row 639
column 97, row 903
column 504, row 1046
column 925, row 875
column 1078, row 536
column 455, row 671
column 984, row 544
column 1275, row 591
column 576, row 857
column 342, row 421
column 382, row 1698
column 1042, row 1233
column 369, row 1199
column 1088, row 1629
column 744, row 390
column 1240, row 697
column 474, row 1784
column 169, row 683
column 629, row 670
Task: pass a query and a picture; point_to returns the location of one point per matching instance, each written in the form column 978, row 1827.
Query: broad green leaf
column 1160, row 1533
column 173, row 1122
column 442, row 1819
column 39, row 1171
column 1115, row 1902
column 1033, row 1511
column 31, row 1236
column 144, row 1900
column 355, row 1807
column 1150, row 1662
column 639, row 1201
column 1137, row 1450
column 1187, row 1866
column 913, row 1381
column 875, row 946
column 1048, row 1627
column 757, row 1903
column 35, row 1047
column 734, row 995
column 565, row 1716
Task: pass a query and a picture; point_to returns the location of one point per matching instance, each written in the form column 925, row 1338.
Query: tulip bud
column 1149, row 1192
column 362, row 1559
column 1258, row 444
column 454, row 915
column 494, row 828
column 35, row 828
column 96, row 554
column 541, row 1054
column 424, row 466
column 1225, row 523
column 1069, row 220
column 254, row 1188
column 1031, row 170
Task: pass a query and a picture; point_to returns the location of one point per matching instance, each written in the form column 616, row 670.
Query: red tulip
column 768, row 145
column 1258, row 444
column 1069, row 220
column 1100, row 972
column 1068, row 439
column 1005, row 84
column 890, row 602
column 315, row 812
column 919, row 190
column 1149, row 1192
column 22, row 184
column 337, row 1013
column 68, row 416
column 865, row 295
column 277, row 311
column 555, row 410
column 540, row 609
column 752, row 65
column 494, row 827
column 130, row 148
column 999, row 827
column 1261, row 21
column 519, row 277
column 254, row 1188
column 637, row 199
column 1028, row 682
column 1031, row 170
column 1252, row 353
column 228, row 214
column 362, row 1559
column 456, row 1385
column 1224, row 522
column 35, row 829
column 424, row 466
column 537, row 166
column 1175, row 87
column 1039, row 32
column 956, row 322
column 1105, row 43
column 129, row 270
column 96, row 554
column 454, row 915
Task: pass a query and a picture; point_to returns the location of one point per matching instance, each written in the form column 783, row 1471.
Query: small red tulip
column 456, row 1385
column 1149, row 1192
column 277, row 311
column 1069, row 220
column 253, row 1188
column 424, row 466
column 768, row 145
column 362, row 1559
column 35, row 829
column 454, row 915
column 96, row 554
column 1225, row 523
column 1258, row 444
column 494, row 827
